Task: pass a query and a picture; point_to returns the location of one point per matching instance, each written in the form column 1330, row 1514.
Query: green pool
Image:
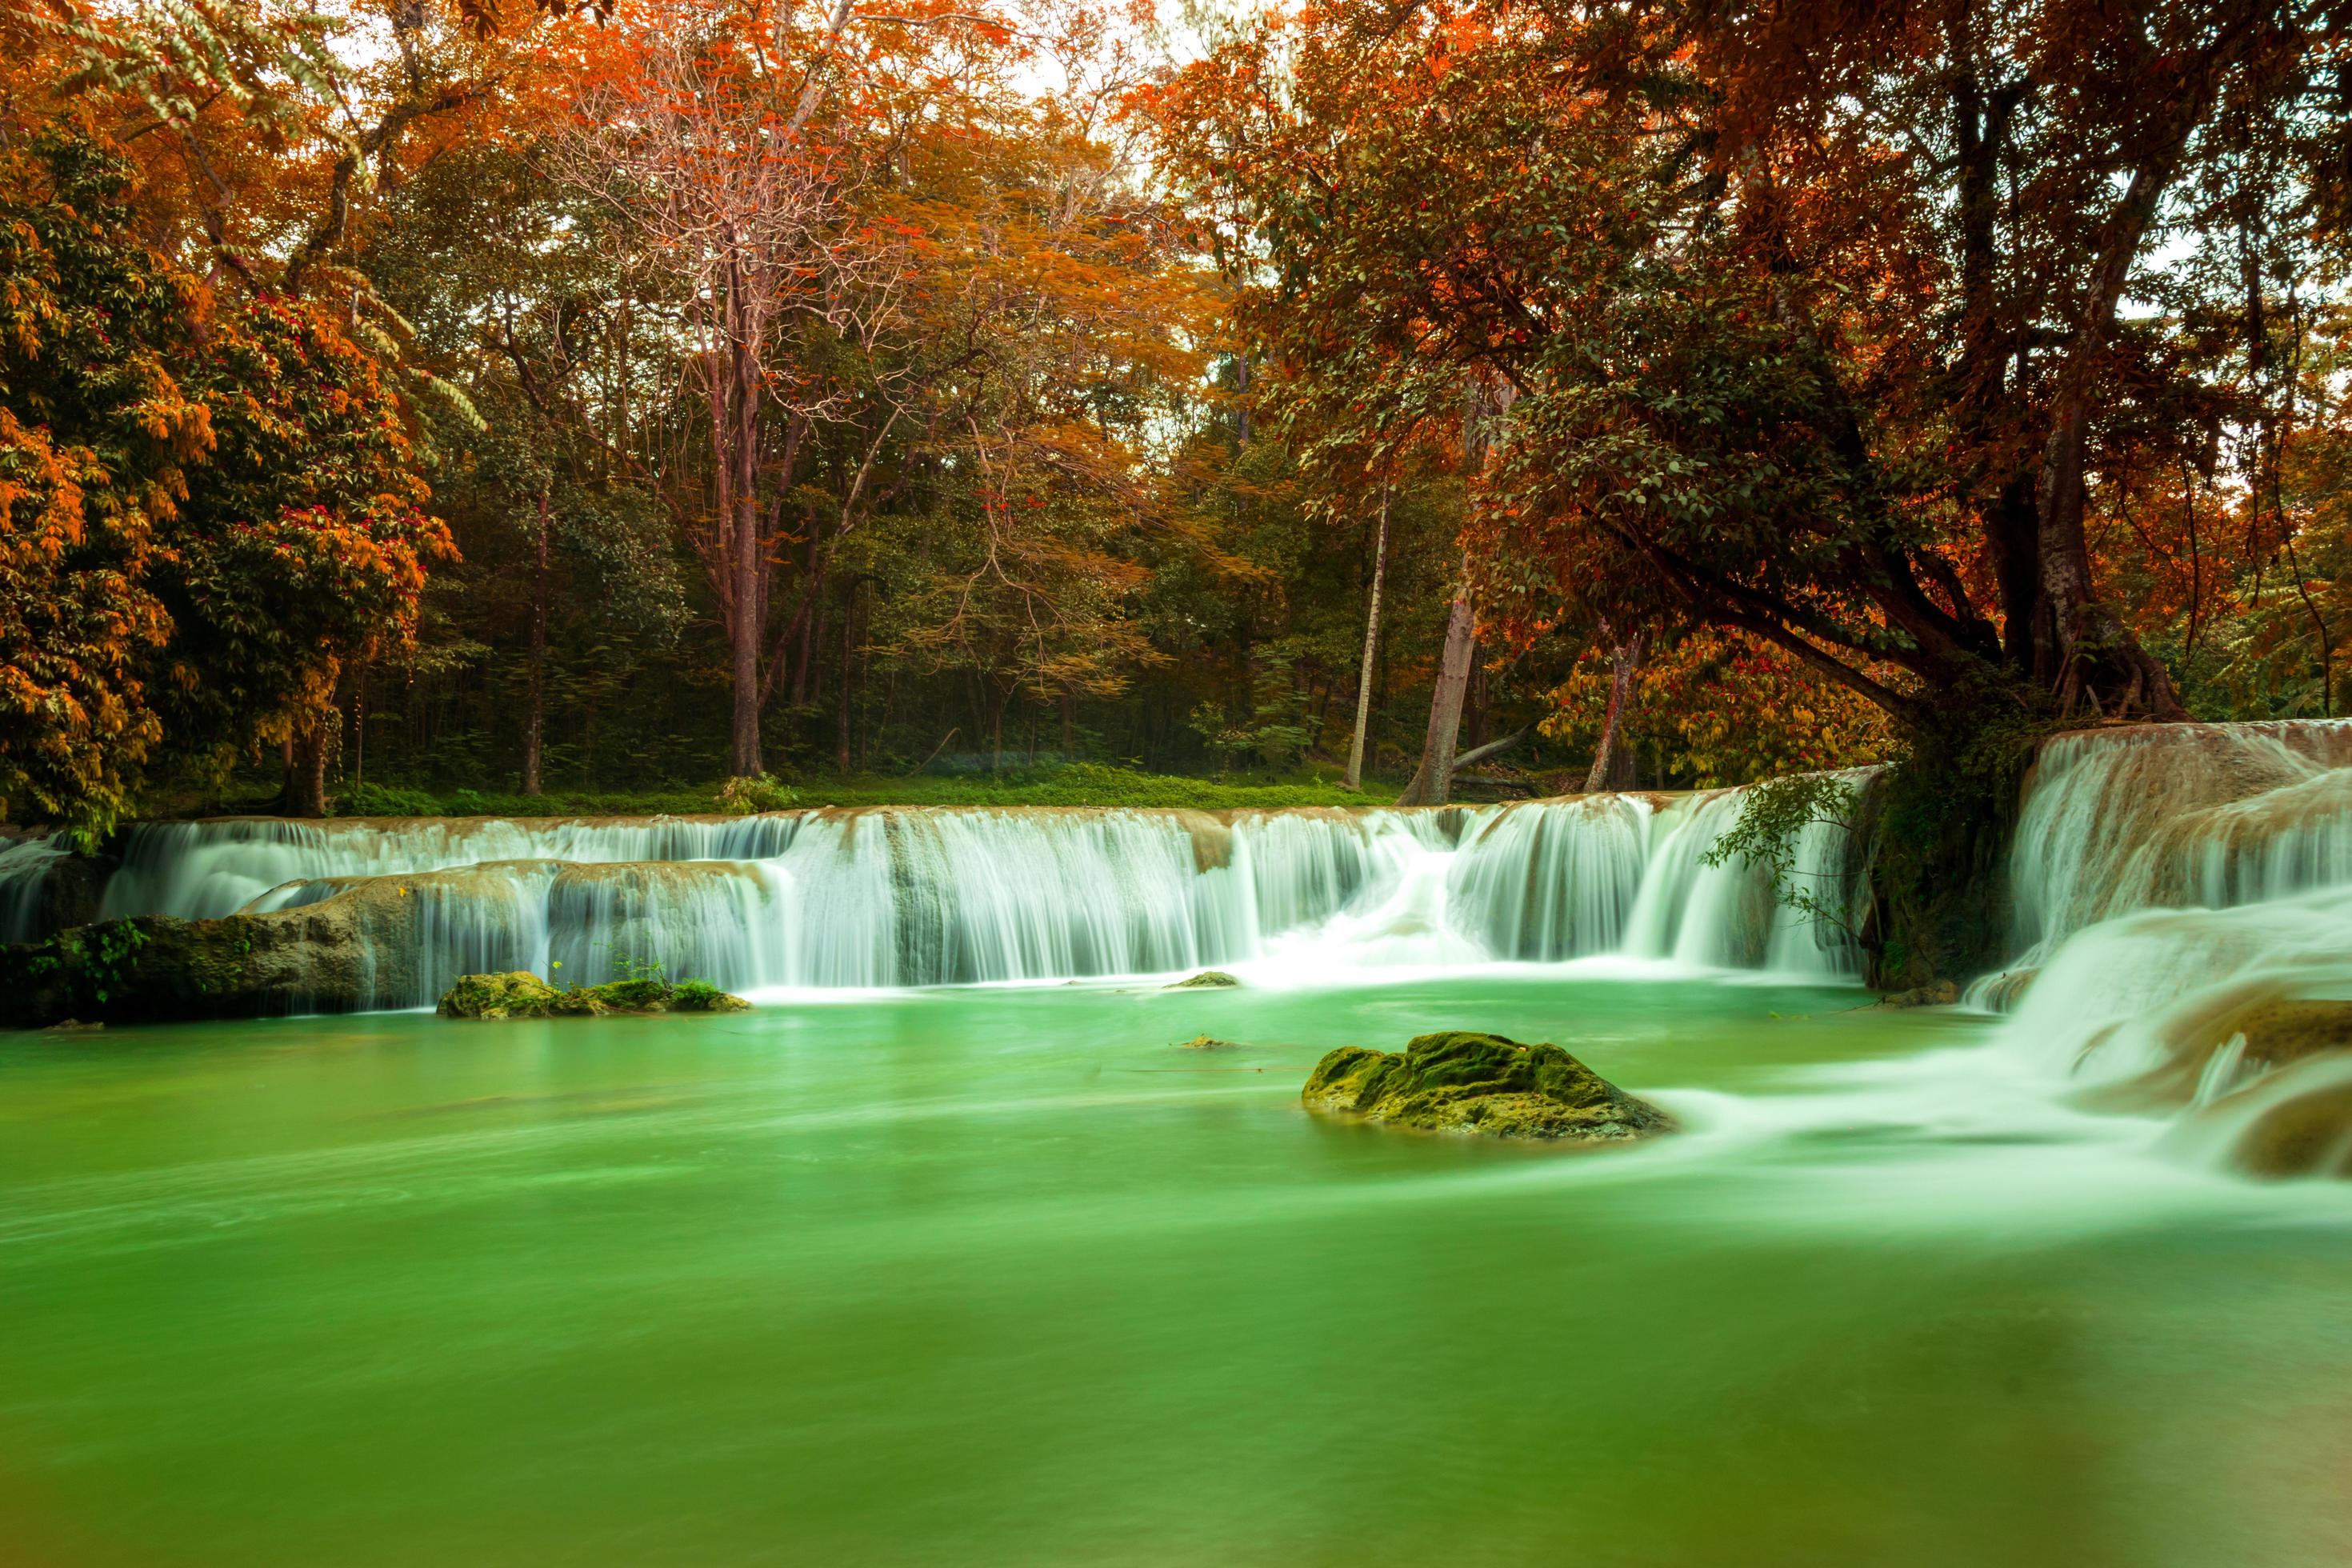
column 1002, row 1277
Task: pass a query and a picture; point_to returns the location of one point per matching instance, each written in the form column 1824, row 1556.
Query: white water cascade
column 2164, row 874
column 25, row 867
column 907, row 897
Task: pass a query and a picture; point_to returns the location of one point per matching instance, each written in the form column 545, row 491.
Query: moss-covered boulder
column 1482, row 1084
column 517, row 995
column 523, row 995
column 1206, row 979
column 1207, row 1043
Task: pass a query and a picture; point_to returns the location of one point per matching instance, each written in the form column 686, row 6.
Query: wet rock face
column 338, row 954
column 2270, row 1082
column 1481, row 1085
column 2214, row 1050
column 2304, row 1130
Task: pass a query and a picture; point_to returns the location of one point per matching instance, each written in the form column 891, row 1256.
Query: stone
column 2271, row 1032
column 1938, row 993
column 2305, row 1131
column 519, row 995
column 1207, row 978
column 1481, row 1085
column 1204, row 1043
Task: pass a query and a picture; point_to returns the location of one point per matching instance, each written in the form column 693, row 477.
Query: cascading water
column 25, row 868
column 201, row 870
column 2163, row 874
column 901, row 897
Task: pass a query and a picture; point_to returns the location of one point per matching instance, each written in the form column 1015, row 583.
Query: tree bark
column 841, row 711
column 1371, row 645
column 1981, row 122
column 534, row 730
column 750, row 586
column 1612, row 764
column 306, row 765
column 1432, row 782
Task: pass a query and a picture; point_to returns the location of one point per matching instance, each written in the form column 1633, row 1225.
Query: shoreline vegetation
column 1056, row 785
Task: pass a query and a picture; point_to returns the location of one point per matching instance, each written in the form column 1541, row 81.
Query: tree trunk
column 534, row 730
column 1432, row 782
column 1371, row 645
column 748, row 568
column 1612, row 764
column 306, row 765
column 841, row 711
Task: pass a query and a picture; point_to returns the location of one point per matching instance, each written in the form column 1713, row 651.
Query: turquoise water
column 1002, row 1277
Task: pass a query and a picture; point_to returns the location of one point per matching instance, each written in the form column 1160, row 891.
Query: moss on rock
column 522, row 996
column 1483, row 1085
column 518, row 993
column 1207, row 978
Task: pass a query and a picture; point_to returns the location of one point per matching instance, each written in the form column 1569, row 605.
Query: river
column 1001, row 1275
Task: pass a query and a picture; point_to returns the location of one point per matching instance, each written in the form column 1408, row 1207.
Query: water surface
column 1002, row 1277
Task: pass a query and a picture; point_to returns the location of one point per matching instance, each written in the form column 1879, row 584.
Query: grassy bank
column 1079, row 783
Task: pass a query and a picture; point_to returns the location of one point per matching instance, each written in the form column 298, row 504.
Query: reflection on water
column 1001, row 1275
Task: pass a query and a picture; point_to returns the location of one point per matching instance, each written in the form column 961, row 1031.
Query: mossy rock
column 1207, row 978
column 517, row 995
column 1206, row 1043
column 1940, row 994
column 522, row 996
column 1481, row 1085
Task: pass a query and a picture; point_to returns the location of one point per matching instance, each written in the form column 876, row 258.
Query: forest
column 432, row 404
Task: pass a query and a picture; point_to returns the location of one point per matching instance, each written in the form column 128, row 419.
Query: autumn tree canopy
column 1826, row 321
column 483, row 396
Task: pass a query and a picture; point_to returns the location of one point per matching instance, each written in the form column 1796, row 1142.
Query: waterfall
column 2164, row 879
column 25, row 867
column 893, row 897
column 2236, row 823
column 2178, row 815
column 1725, row 916
column 1553, row 881
column 201, row 870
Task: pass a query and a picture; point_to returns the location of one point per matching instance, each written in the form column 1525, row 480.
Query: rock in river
column 1482, row 1084
column 521, row 994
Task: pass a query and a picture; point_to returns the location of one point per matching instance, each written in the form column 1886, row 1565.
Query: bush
column 763, row 792
column 698, row 996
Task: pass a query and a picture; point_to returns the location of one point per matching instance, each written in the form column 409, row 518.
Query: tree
column 212, row 505
column 736, row 142
column 1787, row 361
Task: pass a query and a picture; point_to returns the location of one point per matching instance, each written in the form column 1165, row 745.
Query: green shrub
column 763, row 792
